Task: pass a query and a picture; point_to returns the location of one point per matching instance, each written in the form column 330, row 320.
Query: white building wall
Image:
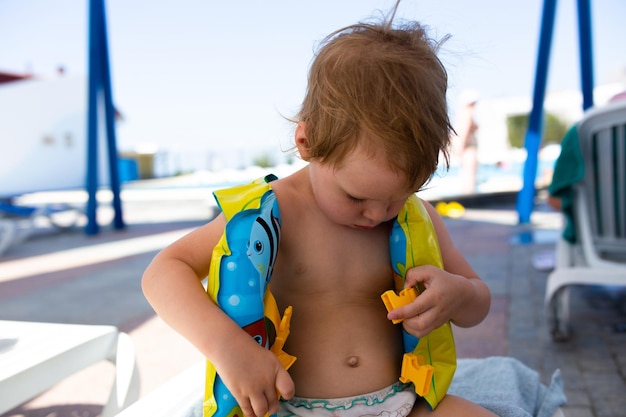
column 491, row 115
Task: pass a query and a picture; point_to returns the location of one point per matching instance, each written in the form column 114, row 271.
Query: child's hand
column 442, row 298
column 255, row 377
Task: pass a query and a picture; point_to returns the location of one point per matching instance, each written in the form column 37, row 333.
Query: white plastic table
column 35, row 356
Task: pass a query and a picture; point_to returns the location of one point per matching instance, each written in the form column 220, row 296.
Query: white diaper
column 397, row 400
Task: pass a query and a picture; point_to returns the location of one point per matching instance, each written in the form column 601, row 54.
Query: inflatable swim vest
column 430, row 361
column 241, row 270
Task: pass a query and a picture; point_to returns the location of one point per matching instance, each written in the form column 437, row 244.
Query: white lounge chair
column 17, row 223
column 599, row 255
column 34, row 356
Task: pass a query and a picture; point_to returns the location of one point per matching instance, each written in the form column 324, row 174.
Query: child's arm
column 172, row 285
column 456, row 293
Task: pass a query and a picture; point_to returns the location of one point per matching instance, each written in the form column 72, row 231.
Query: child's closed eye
column 355, row 199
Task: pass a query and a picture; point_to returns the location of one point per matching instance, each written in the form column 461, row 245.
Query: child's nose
column 375, row 212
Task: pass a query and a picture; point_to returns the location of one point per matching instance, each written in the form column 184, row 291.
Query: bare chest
column 335, row 261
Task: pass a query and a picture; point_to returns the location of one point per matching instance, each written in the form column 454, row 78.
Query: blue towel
column 507, row 387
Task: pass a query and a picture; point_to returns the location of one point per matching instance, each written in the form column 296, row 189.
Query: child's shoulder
column 291, row 188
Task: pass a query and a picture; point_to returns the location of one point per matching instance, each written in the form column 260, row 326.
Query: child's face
column 362, row 193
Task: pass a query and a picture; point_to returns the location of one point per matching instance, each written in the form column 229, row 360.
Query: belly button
column 353, row 361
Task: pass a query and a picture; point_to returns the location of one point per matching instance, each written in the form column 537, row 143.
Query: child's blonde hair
column 384, row 85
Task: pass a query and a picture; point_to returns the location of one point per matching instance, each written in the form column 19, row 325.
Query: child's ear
column 302, row 142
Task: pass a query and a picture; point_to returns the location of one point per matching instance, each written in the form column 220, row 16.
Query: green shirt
column 568, row 170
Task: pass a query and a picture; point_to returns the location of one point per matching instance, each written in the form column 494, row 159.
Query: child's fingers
column 246, row 408
column 260, row 405
column 419, row 325
column 419, row 275
column 285, row 385
column 267, row 402
column 406, row 311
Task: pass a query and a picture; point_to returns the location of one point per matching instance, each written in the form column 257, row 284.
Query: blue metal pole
column 586, row 52
column 92, row 227
column 526, row 196
column 109, row 114
column 99, row 86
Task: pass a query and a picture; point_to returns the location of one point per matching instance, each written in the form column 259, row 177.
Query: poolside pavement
column 69, row 277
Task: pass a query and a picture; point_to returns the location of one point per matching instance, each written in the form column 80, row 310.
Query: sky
column 201, row 75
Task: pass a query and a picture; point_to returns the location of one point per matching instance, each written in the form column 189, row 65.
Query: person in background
column 466, row 141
